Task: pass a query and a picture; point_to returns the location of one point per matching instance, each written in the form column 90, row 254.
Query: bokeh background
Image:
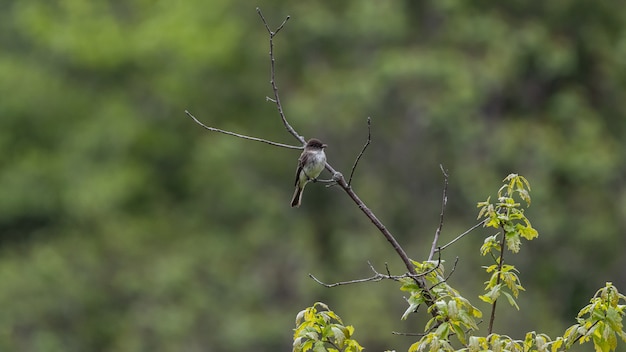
column 124, row 226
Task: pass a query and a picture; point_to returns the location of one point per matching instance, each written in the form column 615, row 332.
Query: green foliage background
column 126, row 227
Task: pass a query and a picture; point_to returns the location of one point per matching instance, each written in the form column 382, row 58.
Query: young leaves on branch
column 454, row 315
column 319, row 329
column 508, row 216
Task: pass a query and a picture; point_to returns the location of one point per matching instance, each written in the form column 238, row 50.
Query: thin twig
column 241, row 135
column 583, row 335
column 387, row 268
column 374, row 278
column 379, row 276
column 456, row 260
column 369, row 139
column 418, row 334
column 444, row 201
column 462, row 235
column 276, row 99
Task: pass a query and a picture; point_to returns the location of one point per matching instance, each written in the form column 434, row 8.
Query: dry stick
column 369, row 139
column 444, row 201
column 241, row 135
column 500, row 263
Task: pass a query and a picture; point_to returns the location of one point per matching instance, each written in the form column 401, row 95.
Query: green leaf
column 319, row 347
column 460, row 333
column 412, row 307
column 492, row 295
column 510, row 299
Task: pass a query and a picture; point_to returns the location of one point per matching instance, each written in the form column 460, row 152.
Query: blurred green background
column 124, row 226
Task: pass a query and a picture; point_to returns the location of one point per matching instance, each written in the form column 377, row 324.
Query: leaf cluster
column 319, row 329
column 452, row 313
column 506, row 214
column 454, row 319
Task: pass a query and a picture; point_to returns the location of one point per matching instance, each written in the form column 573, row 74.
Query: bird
column 310, row 165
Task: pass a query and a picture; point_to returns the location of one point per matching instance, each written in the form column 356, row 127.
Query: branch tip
column 369, row 139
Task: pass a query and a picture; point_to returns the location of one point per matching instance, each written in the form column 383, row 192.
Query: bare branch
column 462, row 235
column 341, row 181
column 337, row 176
column 379, row 276
column 241, row 135
column 276, row 99
column 258, row 10
column 375, row 278
column 444, row 201
column 369, row 138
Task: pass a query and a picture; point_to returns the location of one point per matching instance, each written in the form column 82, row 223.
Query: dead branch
column 337, row 176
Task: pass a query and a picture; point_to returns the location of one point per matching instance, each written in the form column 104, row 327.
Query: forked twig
column 276, row 99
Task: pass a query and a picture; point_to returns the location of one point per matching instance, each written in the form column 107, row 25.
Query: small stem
column 498, row 280
column 444, row 201
column 369, row 139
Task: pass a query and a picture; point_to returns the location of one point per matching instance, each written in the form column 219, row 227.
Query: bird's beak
column 324, row 146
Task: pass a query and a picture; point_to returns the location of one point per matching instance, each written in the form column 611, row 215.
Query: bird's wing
column 301, row 161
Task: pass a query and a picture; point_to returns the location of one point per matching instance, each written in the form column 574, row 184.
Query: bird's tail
column 297, row 197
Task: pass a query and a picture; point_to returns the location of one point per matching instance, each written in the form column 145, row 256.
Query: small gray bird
column 311, row 163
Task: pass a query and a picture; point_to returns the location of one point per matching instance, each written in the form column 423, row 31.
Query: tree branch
column 337, row 176
column 341, row 181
